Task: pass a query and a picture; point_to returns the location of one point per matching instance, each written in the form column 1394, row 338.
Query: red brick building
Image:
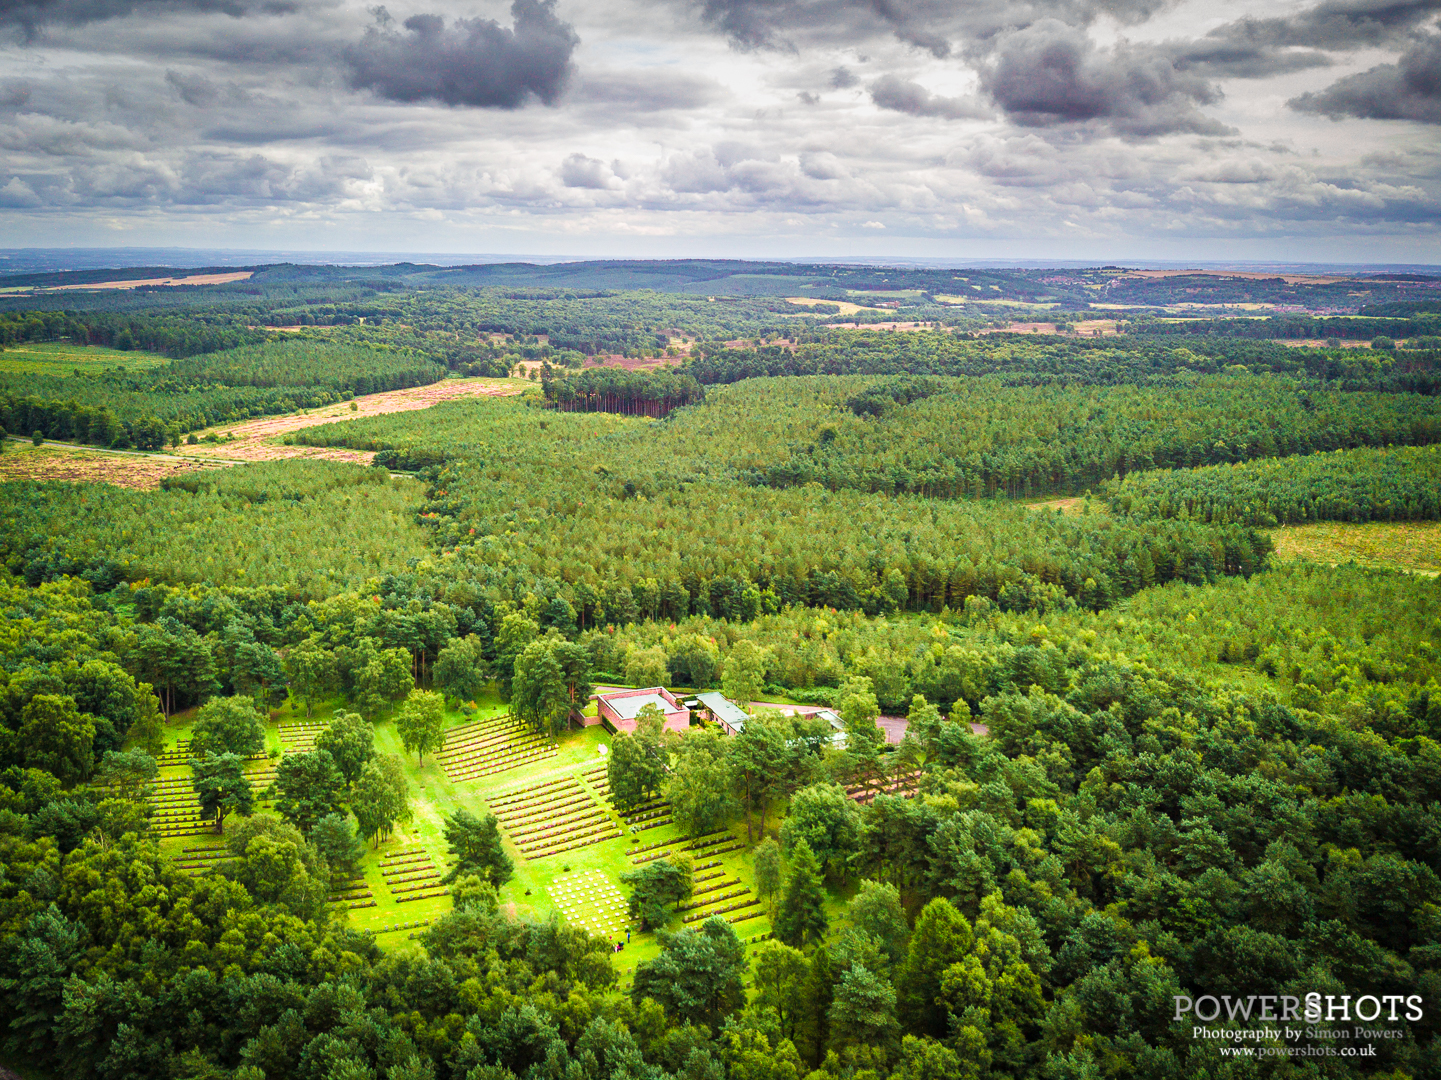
column 619, row 709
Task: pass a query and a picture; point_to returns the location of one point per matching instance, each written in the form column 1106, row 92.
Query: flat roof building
column 619, row 710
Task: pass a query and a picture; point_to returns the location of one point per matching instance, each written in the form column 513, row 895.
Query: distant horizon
column 62, row 259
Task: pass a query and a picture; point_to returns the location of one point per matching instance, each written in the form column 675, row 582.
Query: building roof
column 838, row 726
column 628, row 704
column 724, row 709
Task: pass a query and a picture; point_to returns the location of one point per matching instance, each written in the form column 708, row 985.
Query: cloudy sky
column 1172, row 129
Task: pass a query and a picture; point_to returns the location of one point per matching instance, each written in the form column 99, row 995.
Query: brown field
column 21, row 461
column 1024, row 328
column 1317, row 343
column 885, row 325
column 845, row 307
column 198, row 279
column 416, row 397
column 1251, row 275
column 1394, row 545
column 246, row 450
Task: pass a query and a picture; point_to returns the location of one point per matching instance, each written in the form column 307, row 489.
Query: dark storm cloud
column 1407, row 90
column 1340, row 25
column 473, row 62
column 754, row 24
column 843, row 79
column 30, row 15
column 193, row 89
column 1221, row 57
column 890, row 92
column 907, row 27
column 1051, row 74
column 939, row 27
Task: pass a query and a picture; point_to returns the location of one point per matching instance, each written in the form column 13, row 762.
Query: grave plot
column 718, row 890
column 202, row 860
column 177, row 811
column 490, row 746
column 299, row 737
column 699, row 846
column 179, row 755
column 410, row 875
column 904, row 784
column 591, row 900
column 647, row 815
column 553, row 816
column 351, row 892
column 598, row 779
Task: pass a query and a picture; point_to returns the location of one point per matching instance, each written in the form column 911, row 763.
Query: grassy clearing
column 1072, row 506
column 1392, row 545
column 846, row 307
column 23, row 461
column 62, row 358
column 530, row 893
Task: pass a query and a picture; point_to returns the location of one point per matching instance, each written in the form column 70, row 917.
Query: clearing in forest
column 569, row 841
column 135, row 283
column 846, row 307
column 1066, row 504
column 885, row 326
column 22, row 461
column 249, row 434
column 1391, row 545
column 61, row 358
column 242, row 450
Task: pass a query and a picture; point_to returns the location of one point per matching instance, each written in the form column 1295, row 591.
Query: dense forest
column 316, row 527
column 1027, row 359
column 1144, row 761
column 1391, row 484
column 625, row 392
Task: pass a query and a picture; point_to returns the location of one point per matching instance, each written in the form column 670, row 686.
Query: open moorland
column 1001, row 682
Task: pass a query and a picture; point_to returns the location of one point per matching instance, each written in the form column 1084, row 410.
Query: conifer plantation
column 978, row 730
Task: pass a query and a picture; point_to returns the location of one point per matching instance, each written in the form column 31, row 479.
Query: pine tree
column 476, row 848
column 801, row 917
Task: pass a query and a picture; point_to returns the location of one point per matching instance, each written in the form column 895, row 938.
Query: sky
column 1027, row 129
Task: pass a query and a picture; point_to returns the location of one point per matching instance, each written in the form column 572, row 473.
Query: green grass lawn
column 62, row 358
column 588, row 877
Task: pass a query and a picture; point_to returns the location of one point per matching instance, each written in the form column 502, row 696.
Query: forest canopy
column 298, row 779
